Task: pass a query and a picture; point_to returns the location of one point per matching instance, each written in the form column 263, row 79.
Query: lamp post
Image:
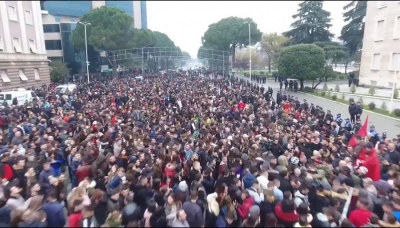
column 249, row 24
column 87, row 58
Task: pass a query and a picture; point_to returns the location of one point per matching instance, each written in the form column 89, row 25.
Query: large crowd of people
column 190, row 150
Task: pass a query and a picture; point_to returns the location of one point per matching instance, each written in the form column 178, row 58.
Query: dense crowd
column 190, row 150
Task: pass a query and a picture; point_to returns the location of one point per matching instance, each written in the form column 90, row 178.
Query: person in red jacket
column 244, row 208
column 369, row 159
column 285, row 212
column 83, row 171
column 241, row 105
column 6, row 170
column 360, row 216
column 287, row 106
column 75, row 218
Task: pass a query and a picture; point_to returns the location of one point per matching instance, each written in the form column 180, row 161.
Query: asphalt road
column 381, row 123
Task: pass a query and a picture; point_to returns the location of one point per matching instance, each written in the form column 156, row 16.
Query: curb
column 347, row 105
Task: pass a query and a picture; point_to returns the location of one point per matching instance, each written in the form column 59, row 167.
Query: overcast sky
column 185, row 22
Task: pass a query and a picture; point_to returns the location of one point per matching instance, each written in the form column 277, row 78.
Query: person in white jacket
column 263, row 179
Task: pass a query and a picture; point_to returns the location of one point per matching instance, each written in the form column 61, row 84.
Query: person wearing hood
column 251, row 184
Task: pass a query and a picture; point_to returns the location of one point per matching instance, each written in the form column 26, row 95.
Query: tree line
column 112, row 29
column 295, row 53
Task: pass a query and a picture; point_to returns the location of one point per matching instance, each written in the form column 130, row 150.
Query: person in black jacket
column 358, row 110
column 140, row 197
column 267, row 206
column 352, row 112
column 285, row 184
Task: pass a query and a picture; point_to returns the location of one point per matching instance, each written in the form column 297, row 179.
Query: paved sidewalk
column 382, row 123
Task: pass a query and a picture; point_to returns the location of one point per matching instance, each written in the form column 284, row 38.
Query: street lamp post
column 249, row 24
column 87, row 57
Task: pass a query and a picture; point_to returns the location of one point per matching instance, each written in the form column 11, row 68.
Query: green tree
column 396, row 94
column 271, row 44
column 312, row 24
column 371, row 90
column 325, row 87
column 302, row 61
column 57, row 71
column 228, row 32
column 334, row 51
column 353, row 32
column 337, row 88
column 110, row 29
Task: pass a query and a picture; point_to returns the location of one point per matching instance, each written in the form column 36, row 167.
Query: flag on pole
column 362, row 132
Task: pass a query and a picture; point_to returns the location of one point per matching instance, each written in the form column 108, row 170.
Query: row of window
column 394, row 61
column 384, row 4
column 53, row 44
column 22, row 76
column 13, row 15
column 375, row 83
column 16, row 42
column 381, row 29
column 56, row 28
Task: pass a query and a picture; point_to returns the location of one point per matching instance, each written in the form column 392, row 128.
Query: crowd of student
column 189, row 150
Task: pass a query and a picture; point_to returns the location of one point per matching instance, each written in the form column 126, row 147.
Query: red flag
column 362, row 132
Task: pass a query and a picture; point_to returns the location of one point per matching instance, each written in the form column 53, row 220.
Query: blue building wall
column 68, row 8
column 122, row 5
column 143, row 9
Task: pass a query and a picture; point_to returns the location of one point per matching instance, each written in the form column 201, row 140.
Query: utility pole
column 249, row 24
column 87, row 58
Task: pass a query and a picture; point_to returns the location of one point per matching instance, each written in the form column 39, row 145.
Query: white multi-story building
column 380, row 59
column 23, row 60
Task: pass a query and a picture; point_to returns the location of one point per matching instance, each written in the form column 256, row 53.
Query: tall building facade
column 60, row 19
column 380, row 59
column 23, row 60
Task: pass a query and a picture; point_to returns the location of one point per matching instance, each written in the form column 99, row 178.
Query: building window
column 54, row 59
column 53, row 44
column 12, row 13
column 380, row 29
column 374, row 83
column 17, row 45
column 22, row 76
column 376, row 62
column 1, row 44
column 4, row 77
column 32, row 46
column 57, row 18
column 51, row 28
column 395, row 64
column 66, row 27
column 36, row 72
column 381, row 4
column 396, row 30
column 28, row 17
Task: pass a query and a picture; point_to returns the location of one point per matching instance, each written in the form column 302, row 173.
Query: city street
column 382, row 124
